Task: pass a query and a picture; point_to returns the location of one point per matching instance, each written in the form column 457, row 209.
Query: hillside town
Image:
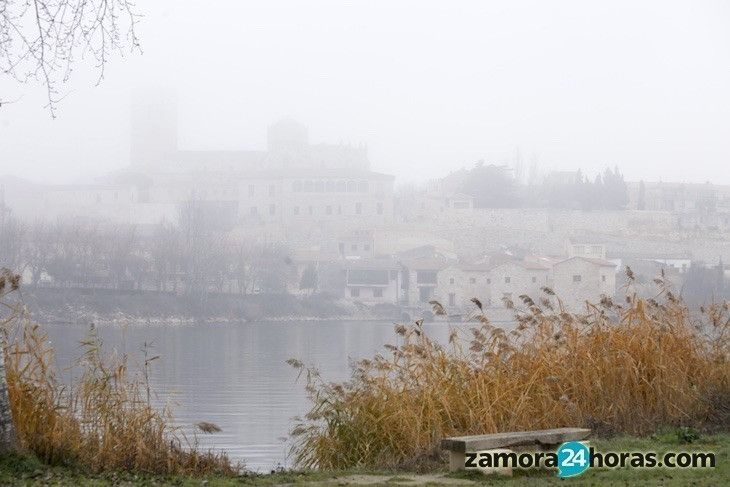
column 307, row 218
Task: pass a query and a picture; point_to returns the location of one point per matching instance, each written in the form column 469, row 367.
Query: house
column 459, row 283
column 580, row 279
column 356, row 243
column 460, row 201
column 512, row 279
column 420, row 278
column 373, row 281
column 585, row 248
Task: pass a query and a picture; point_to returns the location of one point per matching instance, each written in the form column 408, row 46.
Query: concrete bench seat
column 517, row 440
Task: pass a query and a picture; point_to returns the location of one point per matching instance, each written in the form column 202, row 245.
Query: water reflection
column 235, row 375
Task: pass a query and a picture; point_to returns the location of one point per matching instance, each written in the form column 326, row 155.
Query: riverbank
column 133, row 307
column 28, row 471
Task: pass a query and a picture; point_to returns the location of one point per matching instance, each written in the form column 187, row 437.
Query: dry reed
column 102, row 421
column 630, row 368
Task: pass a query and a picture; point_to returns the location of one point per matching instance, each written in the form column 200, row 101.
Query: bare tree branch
column 40, row 39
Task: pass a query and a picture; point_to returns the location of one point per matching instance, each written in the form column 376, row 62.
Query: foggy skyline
column 430, row 87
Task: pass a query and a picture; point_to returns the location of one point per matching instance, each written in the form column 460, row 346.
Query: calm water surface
column 235, row 375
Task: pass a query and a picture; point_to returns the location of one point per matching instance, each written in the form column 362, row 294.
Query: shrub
column 104, row 420
column 628, row 368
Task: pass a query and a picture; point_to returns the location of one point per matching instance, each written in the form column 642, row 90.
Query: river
column 236, row 376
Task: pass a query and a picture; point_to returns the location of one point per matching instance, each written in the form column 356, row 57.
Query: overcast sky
column 429, row 86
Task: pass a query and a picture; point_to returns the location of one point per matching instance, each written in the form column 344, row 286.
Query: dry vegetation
column 630, row 368
column 104, row 420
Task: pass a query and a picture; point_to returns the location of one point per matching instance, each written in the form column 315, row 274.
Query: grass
column 628, row 368
column 27, row 470
column 103, row 420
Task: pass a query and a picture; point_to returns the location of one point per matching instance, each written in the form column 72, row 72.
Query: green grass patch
column 22, row 470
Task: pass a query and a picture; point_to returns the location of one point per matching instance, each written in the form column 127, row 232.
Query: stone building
column 459, row 283
column 580, row 279
column 512, row 279
column 373, row 281
column 420, row 279
column 293, row 191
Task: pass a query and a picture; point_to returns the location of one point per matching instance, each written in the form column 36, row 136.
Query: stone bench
column 513, row 441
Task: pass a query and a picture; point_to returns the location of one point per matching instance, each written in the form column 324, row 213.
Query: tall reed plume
column 630, row 368
column 104, row 420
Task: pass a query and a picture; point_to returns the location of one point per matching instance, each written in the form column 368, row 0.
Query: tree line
column 184, row 258
column 493, row 186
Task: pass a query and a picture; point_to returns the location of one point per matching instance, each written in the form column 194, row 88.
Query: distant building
column 420, row 278
column 373, row 281
column 513, row 279
column 294, row 191
column 580, row 279
column 584, row 248
column 458, row 284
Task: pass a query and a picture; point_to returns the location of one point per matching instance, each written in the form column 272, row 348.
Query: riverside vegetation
column 618, row 368
column 103, row 420
column 633, row 368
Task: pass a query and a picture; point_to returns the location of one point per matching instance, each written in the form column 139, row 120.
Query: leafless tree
column 41, row 39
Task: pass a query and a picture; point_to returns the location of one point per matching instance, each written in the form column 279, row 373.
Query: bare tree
column 41, row 39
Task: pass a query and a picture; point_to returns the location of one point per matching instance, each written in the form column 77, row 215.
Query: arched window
column 351, row 186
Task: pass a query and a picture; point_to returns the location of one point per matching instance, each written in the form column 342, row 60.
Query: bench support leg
column 456, row 461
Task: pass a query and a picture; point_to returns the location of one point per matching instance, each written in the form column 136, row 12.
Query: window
column 425, row 294
column 452, row 299
column 358, row 208
column 353, row 247
column 380, row 208
column 355, row 292
column 351, row 186
column 296, row 210
column 472, row 280
column 451, row 281
column 339, row 209
column 576, row 278
column 603, row 278
column 311, row 210
column 272, row 209
column 254, row 211
column 366, row 247
column 377, row 292
column 319, row 187
column 534, row 279
column 341, row 186
column 272, row 190
column 308, row 186
column 329, row 186
column 297, row 186
column 426, row 277
column 489, row 280
column 328, row 209
column 371, row 277
column 251, row 189
column 507, row 280
column 362, row 187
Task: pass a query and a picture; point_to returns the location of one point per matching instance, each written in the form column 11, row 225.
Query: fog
column 270, row 180
column 429, row 86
